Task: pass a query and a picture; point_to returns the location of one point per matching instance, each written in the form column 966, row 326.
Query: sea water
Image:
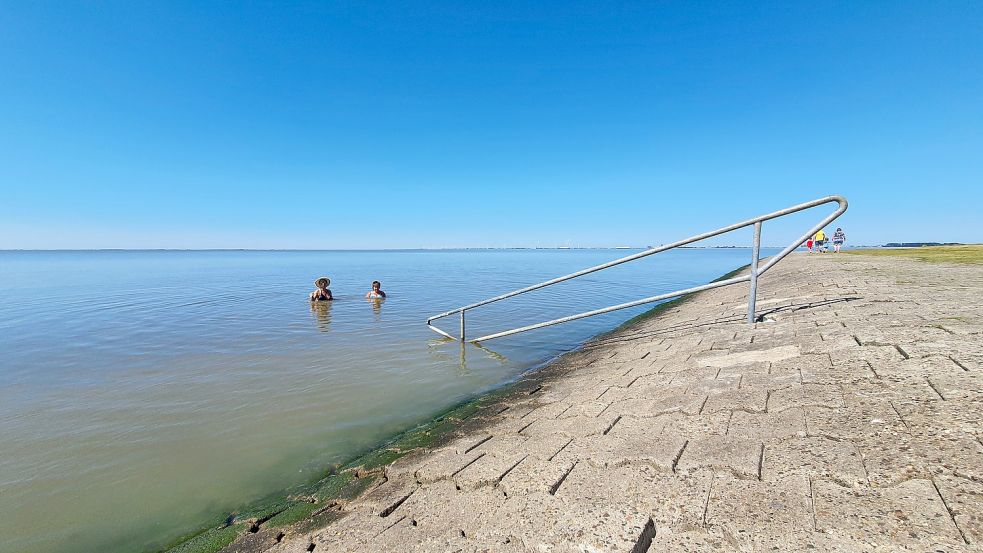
column 144, row 393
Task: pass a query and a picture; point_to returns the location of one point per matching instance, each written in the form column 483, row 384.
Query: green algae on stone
column 295, row 513
column 357, row 487
column 320, row 520
column 425, row 436
column 464, row 411
column 210, row 541
column 265, row 510
column 374, row 459
column 331, row 486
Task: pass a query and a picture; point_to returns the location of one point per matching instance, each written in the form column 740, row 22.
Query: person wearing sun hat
column 322, row 293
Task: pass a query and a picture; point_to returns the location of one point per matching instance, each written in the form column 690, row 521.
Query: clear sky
column 375, row 125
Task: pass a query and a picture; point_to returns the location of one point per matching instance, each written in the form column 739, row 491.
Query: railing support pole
column 462, row 325
column 752, row 299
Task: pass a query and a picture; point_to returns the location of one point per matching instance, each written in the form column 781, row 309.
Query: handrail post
column 752, row 299
column 462, row 325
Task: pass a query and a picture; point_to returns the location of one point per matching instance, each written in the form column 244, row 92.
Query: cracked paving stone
column 804, row 363
column 574, row 427
column 506, row 443
column 770, row 382
column 858, row 419
column 806, row 395
column 693, row 541
column 613, row 451
column 682, row 379
column 816, row 457
column 534, row 475
column 543, row 447
column 742, row 508
column 746, row 357
column 909, row 512
column 768, row 426
column 958, row 454
column 460, row 511
column 406, row 466
column 900, row 391
column 754, row 401
column 871, row 354
column 540, row 521
column 965, row 499
column 656, row 407
column 488, row 470
column 675, row 501
column 738, row 455
column 444, row 464
column 846, row 373
column 386, row 494
column 960, row 385
column 586, row 409
column 918, row 367
column 641, row 428
column 937, row 416
column 714, row 385
column 694, row 426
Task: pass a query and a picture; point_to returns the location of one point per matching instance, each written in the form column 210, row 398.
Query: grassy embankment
column 315, row 504
column 972, row 253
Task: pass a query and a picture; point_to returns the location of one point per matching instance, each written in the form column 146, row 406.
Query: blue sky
column 376, row 125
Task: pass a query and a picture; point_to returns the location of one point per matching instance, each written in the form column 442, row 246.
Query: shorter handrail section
column 752, row 277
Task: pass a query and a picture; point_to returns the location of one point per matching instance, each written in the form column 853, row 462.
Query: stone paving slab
column 850, row 419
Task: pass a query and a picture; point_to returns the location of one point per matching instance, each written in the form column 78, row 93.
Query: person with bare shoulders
column 376, row 292
column 322, row 293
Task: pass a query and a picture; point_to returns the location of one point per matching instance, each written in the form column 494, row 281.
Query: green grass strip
column 970, row 254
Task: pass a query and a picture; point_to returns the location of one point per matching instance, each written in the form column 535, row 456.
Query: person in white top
column 376, row 292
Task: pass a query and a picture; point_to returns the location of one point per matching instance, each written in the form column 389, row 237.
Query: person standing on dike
column 322, row 293
column 838, row 239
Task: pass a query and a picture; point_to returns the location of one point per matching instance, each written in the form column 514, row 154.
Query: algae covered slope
column 319, row 502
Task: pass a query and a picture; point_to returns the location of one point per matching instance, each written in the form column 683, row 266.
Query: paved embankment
column 850, row 421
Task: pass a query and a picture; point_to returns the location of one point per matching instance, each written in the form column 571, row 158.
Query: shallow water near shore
column 143, row 394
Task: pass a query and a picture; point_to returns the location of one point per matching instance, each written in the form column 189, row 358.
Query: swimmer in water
column 376, row 292
column 322, row 293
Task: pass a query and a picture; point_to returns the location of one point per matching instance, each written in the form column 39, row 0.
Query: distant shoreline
column 462, row 249
column 515, row 248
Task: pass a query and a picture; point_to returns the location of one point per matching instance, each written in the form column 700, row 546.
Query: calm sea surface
column 143, row 393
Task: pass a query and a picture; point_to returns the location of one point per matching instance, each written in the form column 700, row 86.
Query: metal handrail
column 752, row 277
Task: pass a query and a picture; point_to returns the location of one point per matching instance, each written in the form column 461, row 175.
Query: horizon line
column 382, row 249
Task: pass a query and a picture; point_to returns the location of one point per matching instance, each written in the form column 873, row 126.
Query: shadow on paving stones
column 705, row 324
column 808, row 305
